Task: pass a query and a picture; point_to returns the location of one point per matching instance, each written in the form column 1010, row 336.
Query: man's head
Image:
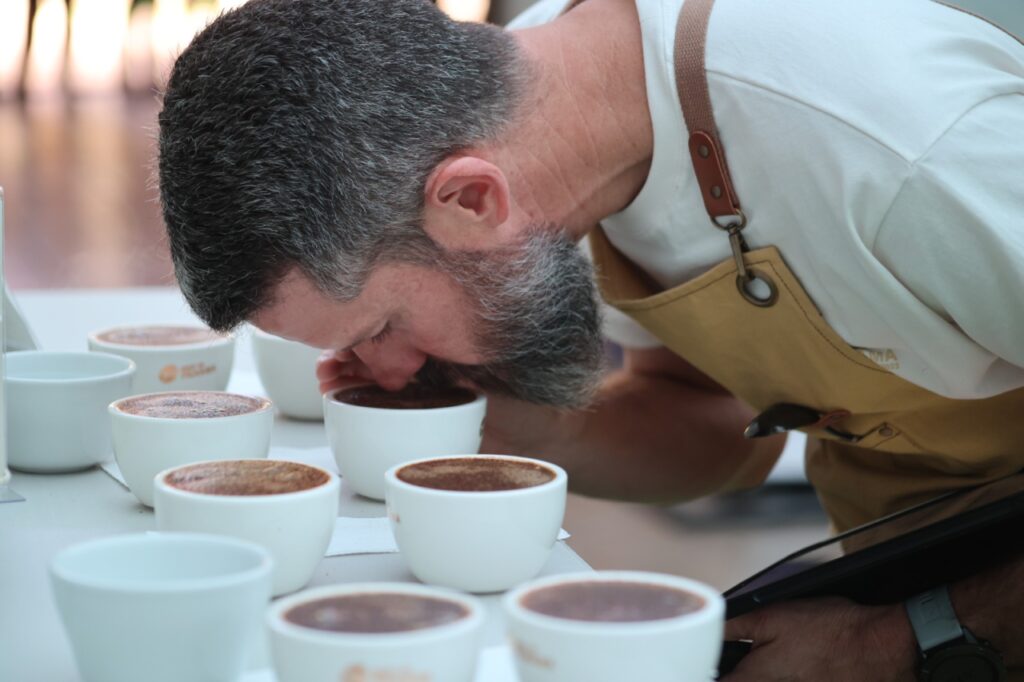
column 304, row 147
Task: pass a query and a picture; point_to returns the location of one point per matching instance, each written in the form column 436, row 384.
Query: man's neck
column 581, row 147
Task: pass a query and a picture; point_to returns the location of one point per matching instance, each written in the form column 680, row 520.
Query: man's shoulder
column 898, row 71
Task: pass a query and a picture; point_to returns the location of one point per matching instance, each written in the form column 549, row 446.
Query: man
column 366, row 176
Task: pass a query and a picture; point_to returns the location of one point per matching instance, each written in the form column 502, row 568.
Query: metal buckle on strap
column 756, row 287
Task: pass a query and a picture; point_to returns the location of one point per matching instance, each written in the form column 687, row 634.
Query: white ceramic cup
column 295, row 527
column 287, row 371
column 445, row 653
column 145, row 446
column 199, row 366
column 367, row 441
column 162, row 607
column 55, row 408
column 476, row 541
column 684, row 648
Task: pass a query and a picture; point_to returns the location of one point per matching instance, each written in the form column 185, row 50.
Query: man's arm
column 660, row 430
column 836, row 640
column 990, row 604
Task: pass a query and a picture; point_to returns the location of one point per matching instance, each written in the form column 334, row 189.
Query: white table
column 60, row 510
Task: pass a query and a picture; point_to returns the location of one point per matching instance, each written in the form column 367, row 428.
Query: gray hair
column 300, row 133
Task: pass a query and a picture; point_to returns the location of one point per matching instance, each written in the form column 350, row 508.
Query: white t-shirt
column 879, row 144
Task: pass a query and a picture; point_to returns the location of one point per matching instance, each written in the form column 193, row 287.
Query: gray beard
column 537, row 322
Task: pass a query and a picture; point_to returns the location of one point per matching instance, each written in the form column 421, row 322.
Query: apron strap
column 706, row 152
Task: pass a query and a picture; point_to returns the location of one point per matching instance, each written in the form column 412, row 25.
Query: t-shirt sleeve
column 954, row 235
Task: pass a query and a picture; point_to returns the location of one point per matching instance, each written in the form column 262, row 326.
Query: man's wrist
column 893, row 634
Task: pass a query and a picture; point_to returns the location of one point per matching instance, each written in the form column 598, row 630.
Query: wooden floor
column 82, row 212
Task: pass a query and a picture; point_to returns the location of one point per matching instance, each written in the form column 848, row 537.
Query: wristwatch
column 949, row 652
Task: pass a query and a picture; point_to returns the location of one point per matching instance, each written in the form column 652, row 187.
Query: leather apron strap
column 707, row 152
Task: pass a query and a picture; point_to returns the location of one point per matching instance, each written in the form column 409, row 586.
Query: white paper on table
column 114, row 472
column 495, row 664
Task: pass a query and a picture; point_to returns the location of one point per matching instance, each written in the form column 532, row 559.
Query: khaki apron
column 912, row 445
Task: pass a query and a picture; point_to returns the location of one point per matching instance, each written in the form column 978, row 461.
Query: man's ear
column 467, row 202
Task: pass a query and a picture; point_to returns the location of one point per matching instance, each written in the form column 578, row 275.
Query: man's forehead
column 295, row 309
column 299, row 311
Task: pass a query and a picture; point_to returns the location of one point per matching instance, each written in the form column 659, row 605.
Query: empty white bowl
column 57, row 408
column 162, row 607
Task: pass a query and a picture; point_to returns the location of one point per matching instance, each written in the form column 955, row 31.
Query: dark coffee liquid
column 612, row 601
column 476, row 474
column 191, row 405
column 376, row 613
column 246, row 477
column 412, row 397
column 158, row 336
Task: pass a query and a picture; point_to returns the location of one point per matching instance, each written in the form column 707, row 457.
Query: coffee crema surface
column 612, row 601
column 158, row 335
column 191, row 405
column 376, row 613
column 475, row 474
column 412, row 397
column 246, row 477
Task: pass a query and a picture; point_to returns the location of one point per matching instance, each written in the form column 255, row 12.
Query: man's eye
column 382, row 334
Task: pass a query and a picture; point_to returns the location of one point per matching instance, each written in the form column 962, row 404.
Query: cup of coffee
column 287, row 370
column 371, row 430
column 479, row 523
column 161, row 607
column 611, row 626
column 55, row 408
column 171, row 357
column 287, row 507
column 375, row 631
column 157, row 431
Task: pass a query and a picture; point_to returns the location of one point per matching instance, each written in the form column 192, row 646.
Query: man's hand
column 825, row 639
column 339, row 369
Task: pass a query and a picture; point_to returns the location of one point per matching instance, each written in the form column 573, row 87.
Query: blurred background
column 78, row 104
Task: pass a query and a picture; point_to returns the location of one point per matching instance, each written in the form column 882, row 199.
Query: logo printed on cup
column 197, row 370
column 358, row 673
column 168, row 374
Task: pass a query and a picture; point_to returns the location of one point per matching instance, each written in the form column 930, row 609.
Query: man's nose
column 393, row 366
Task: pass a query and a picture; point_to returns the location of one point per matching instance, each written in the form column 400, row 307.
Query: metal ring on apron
column 755, row 275
column 745, row 276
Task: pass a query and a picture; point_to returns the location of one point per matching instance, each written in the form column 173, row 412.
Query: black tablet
column 895, row 557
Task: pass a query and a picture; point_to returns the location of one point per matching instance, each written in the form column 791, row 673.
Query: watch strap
column 933, row 619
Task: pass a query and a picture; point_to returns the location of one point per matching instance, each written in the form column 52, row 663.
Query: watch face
column 963, row 663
